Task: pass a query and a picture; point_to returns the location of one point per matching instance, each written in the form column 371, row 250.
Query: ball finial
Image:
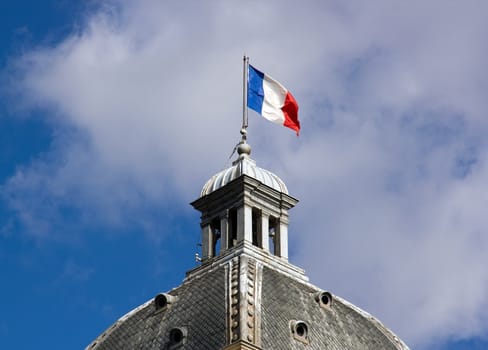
column 243, row 148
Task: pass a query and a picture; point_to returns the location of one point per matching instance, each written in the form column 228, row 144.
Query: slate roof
column 199, row 308
column 243, row 297
column 340, row 326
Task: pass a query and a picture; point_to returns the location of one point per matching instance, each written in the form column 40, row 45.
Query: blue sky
column 114, row 114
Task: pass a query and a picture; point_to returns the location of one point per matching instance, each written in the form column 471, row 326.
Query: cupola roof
column 243, row 165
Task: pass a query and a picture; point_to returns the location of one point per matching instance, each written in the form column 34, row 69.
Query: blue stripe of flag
column 255, row 91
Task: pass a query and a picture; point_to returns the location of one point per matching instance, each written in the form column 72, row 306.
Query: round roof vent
column 162, row 300
column 299, row 330
column 177, row 337
column 324, row 299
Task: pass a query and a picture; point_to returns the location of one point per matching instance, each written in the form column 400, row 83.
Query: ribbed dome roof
column 243, row 166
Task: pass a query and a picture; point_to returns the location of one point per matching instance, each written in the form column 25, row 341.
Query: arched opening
column 232, row 227
column 216, row 234
column 256, row 227
column 273, row 231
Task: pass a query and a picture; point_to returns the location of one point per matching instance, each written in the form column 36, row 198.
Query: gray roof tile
column 201, row 307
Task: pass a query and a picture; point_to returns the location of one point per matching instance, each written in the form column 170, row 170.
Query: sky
column 113, row 114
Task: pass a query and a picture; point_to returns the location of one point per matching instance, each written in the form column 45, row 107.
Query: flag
column 271, row 99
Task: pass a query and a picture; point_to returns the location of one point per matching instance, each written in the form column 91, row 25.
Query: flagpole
column 242, row 147
column 244, row 91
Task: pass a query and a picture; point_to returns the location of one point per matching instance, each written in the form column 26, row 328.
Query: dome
column 243, row 166
column 244, row 293
column 245, row 302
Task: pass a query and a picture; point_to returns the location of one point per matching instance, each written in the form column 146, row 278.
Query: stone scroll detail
column 234, row 301
column 251, row 300
column 245, row 301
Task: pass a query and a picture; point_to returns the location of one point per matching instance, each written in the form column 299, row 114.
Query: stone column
column 207, row 242
column 281, row 240
column 264, row 231
column 244, row 224
column 248, row 223
column 224, row 233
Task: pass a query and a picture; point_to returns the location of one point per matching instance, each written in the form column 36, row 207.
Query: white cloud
column 390, row 167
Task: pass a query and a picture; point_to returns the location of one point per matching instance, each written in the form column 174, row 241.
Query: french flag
column 271, row 99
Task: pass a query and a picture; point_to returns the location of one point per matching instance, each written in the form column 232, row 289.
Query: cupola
column 244, row 204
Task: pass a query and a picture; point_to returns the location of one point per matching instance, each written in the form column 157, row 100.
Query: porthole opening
column 176, row 336
column 160, row 301
column 324, row 299
column 299, row 331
